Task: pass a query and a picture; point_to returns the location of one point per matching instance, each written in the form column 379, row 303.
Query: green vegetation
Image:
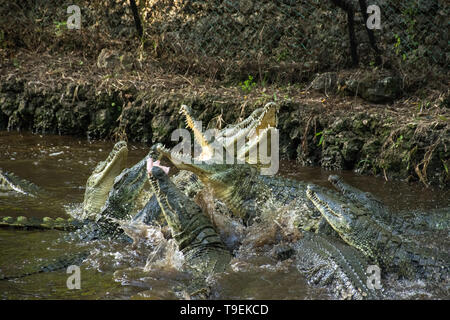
column 399, row 141
column 248, row 84
column 320, row 134
column 59, row 27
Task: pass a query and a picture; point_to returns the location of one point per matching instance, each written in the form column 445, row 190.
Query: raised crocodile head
column 243, row 136
column 102, row 178
column 9, row 182
column 127, row 194
column 259, row 119
column 349, row 219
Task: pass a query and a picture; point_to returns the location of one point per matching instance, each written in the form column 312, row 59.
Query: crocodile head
column 101, row 180
column 336, row 209
column 127, row 195
column 235, row 184
column 245, row 134
column 351, row 220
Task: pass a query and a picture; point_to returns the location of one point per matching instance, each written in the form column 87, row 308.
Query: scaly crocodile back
column 45, row 223
column 334, row 265
column 59, row 264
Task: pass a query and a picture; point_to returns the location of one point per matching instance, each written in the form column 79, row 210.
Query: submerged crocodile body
column 9, row 182
column 204, row 252
column 45, row 223
column 356, row 225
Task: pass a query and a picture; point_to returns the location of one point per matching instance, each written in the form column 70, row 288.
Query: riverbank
column 100, row 82
column 406, row 139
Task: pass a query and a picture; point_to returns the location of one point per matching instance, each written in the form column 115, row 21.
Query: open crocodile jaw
column 102, row 179
column 251, row 129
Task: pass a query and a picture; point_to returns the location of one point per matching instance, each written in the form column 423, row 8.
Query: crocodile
column 408, row 222
column 91, row 224
column 243, row 136
column 392, row 252
column 9, row 182
column 246, row 193
column 203, row 250
column 323, row 260
column 334, row 265
column 102, row 178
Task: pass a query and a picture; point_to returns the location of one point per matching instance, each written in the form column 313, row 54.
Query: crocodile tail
column 59, row 264
column 45, row 223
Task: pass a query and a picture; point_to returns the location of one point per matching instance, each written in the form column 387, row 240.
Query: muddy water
column 61, row 165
